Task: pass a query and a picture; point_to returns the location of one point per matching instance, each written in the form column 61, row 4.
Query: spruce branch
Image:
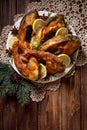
column 13, row 84
column 23, row 95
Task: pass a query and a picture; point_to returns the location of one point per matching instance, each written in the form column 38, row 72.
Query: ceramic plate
column 51, row 77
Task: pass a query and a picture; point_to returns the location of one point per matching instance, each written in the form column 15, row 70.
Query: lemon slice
column 62, row 31
column 66, row 59
column 12, row 40
column 38, row 23
column 43, row 71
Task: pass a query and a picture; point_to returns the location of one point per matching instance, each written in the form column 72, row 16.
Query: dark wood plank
column 70, row 108
column 7, row 114
column 1, row 112
column 7, row 12
column 1, row 120
column 49, row 112
column 84, row 81
column 27, row 117
column 20, row 6
column 84, row 98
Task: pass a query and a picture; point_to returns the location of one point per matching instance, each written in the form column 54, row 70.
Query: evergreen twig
column 11, row 83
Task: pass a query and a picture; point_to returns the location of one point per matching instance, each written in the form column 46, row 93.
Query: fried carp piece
column 51, row 25
column 53, row 63
column 67, row 44
column 53, row 43
column 26, row 24
column 71, row 46
column 28, row 67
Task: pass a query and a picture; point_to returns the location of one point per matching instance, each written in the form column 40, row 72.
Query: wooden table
column 64, row 109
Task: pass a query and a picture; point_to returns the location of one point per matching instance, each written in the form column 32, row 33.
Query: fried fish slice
column 54, row 23
column 26, row 25
column 53, row 43
column 71, row 45
column 28, row 67
column 53, row 63
column 51, row 25
column 68, row 44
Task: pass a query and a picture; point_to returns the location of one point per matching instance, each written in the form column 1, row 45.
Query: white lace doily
column 74, row 11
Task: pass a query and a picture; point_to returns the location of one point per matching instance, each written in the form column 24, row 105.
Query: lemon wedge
column 66, row 59
column 43, row 71
column 12, row 40
column 62, row 31
column 38, row 23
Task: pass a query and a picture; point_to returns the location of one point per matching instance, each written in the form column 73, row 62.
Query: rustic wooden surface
column 65, row 109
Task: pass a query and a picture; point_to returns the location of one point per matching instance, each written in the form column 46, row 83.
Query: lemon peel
column 38, row 23
column 62, row 31
column 66, row 59
column 43, row 71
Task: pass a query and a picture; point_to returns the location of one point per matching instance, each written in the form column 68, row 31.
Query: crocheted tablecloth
column 75, row 12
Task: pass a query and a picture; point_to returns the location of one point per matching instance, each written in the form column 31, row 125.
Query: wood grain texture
column 27, row 117
column 84, row 98
column 64, row 109
column 70, row 108
column 49, row 112
column 7, row 12
column 9, row 115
